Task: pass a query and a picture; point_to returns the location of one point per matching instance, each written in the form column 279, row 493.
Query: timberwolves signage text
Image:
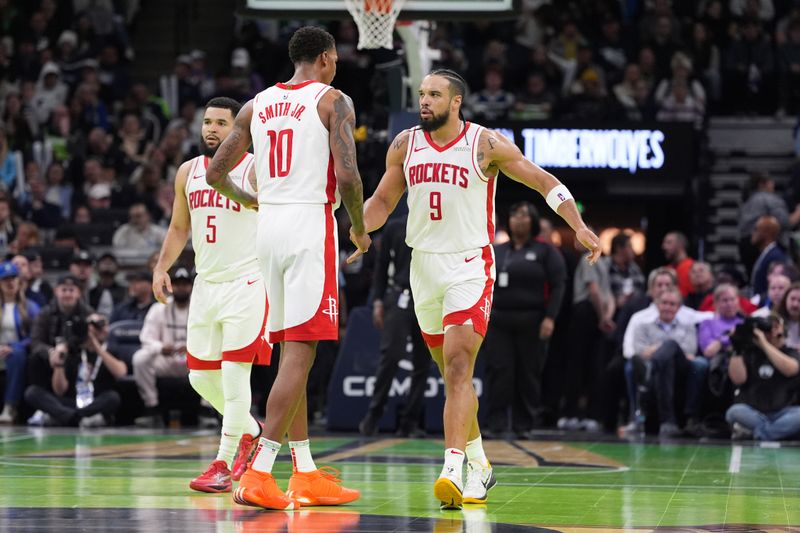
column 613, row 149
column 609, row 158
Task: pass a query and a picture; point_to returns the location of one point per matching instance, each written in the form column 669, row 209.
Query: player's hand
column 251, row 202
column 162, row 285
column 589, row 241
column 362, row 242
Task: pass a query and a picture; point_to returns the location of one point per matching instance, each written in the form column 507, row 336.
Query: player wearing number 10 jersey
column 450, row 168
column 302, row 135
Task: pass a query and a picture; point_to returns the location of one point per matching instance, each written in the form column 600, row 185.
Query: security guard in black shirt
column 531, row 278
column 393, row 314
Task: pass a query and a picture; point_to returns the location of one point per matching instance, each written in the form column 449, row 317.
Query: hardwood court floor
column 129, row 480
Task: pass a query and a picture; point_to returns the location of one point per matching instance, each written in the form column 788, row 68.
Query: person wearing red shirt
column 674, row 246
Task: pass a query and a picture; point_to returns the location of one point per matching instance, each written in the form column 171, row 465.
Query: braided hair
column 458, row 85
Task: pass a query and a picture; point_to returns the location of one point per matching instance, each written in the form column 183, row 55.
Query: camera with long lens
column 742, row 336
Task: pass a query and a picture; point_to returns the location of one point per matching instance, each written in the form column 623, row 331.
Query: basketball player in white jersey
column 302, row 133
column 450, row 169
column 227, row 312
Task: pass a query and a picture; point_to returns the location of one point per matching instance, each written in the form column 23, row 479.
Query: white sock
column 475, row 451
column 453, row 465
column 236, row 414
column 265, row 455
column 301, row 456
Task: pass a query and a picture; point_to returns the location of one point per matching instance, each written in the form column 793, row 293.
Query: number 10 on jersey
column 280, row 152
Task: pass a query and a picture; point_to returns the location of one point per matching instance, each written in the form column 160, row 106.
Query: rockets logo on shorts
column 332, row 311
column 487, row 308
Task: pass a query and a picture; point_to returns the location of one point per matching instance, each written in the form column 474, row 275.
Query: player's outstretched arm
column 497, row 152
column 228, row 154
column 180, row 227
column 390, row 189
column 341, row 121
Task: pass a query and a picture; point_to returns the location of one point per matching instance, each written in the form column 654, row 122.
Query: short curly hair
column 309, row 42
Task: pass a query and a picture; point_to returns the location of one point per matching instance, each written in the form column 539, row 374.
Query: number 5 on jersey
column 280, row 152
column 436, row 205
column 211, row 234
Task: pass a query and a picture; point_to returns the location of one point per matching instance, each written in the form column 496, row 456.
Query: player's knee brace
column 236, row 382
column 208, row 384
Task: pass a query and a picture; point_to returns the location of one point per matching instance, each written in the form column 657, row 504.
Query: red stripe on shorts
column 324, row 325
column 193, row 363
column 258, row 352
column 480, row 311
column 433, row 340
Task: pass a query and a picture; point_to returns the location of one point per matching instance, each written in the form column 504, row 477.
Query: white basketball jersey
column 293, row 157
column 223, row 232
column 450, row 201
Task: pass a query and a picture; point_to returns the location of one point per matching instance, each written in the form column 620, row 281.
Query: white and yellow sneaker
column 480, row 479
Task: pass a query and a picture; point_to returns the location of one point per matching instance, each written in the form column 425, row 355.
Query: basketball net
column 375, row 20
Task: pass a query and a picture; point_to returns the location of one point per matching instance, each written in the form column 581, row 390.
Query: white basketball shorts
column 227, row 322
column 452, row 289
column 298, row 250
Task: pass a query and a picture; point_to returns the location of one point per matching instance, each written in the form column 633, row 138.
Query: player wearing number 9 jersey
column 450, row 168
column 302, row 134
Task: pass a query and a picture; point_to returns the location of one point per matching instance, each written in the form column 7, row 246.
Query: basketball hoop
column 375, row 20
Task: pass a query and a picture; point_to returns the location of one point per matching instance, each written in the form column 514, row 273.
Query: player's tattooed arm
column 390, row 189
column 228, row 154
column 400, row 142
column 392, row 185
column 341, row 122
column 488, row 144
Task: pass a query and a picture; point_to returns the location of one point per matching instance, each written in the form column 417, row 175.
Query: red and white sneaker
column 247, row 445
column 216, row 478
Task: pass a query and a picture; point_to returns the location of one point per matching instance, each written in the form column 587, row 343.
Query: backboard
column 413, row 10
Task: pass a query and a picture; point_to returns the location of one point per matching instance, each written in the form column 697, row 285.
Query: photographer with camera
column 765, row 370
column 83, row 375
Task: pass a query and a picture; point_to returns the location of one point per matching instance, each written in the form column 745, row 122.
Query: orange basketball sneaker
column 320, row 487
column 259, row 489
column 247, row 445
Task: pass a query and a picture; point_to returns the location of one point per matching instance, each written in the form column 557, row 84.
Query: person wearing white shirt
column 658, row 281
column 668, row 348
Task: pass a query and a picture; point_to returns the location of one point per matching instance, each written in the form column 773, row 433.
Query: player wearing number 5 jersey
column 228, row 309
column 450, row 168
column 302, row 134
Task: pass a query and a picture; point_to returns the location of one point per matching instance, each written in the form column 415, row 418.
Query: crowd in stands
column 88, row 154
